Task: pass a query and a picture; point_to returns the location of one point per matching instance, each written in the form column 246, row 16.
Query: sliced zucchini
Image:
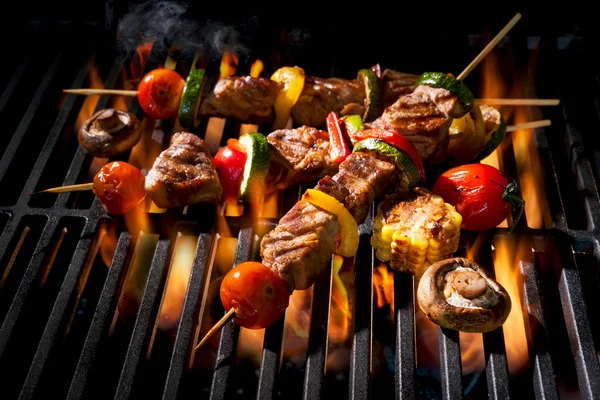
column 456, row 87
column 190, row 99
column 252, row 188
column 369, row 78
column 354, row 123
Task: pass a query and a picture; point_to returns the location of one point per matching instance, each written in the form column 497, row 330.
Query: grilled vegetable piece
column 293, row 80
column 349, row 229
column 468, row 136
column 371, row 82
column 252, row 187
column 190, row 99
column 338, row 145
column 456, row 87
column 458, row 294
column 414, row 229
column 109, row 132
column 495, row 129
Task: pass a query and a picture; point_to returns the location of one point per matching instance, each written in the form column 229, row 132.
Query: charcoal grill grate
column 116, row 361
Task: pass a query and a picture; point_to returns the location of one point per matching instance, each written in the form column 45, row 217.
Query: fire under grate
column 71, row 327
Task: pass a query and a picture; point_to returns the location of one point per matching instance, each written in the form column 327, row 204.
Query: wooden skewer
column 489, row 47
column 217, row 326
column 511, row 128
column 91, row 92
column 519, row 102
column 70, row 188
column 529, row 125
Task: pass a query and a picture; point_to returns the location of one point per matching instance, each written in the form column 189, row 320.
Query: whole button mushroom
column 458, row 294
column 109, row 132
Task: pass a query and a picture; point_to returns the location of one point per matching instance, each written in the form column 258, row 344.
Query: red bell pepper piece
column 338, row 144
column 395, row 139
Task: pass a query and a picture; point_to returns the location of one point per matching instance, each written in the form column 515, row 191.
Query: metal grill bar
column 404, row 305
column 451, row 370
column 144, row 320
column 60, row 309
column 106, row 304
column 544, row 383
column 26, row 285
column 360, row 361
column 29, row 115
column 183, row 340
column 230, row 333
column 269, row 367
column 317, row 341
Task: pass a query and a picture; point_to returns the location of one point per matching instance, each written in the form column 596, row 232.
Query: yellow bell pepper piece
column 349, row 228
column 293, row 79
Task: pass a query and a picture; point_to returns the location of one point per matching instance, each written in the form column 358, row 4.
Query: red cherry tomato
column 159, row 93
column 481, row 194
column 259, row 295
column 230, row 161
column 119, row 186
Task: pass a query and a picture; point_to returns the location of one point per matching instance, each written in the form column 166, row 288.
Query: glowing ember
column 177, row 282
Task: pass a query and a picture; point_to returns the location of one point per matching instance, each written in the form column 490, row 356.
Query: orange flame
column 139, row 63
column 297, row 326
column 383, row 283
column 508, row 252
column 89, row 104
column 229, row 64
column 257, row 68
column 176, row 288
column 340, row 317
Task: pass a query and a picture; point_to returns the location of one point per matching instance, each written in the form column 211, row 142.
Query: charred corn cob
column 415, row 229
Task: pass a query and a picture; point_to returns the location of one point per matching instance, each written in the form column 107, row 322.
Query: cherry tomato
column 230, row 161
column 159, row 93
column 259, row 295
column 481, row 194
column 119, row 186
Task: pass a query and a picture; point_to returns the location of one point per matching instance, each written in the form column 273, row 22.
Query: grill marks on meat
column 321, row 96
column 422, row 117
column 298, row 156
column 366, row 177
column 184, row 174
column 242, row 98
column 300, row 247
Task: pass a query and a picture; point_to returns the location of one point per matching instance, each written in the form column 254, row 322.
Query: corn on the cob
column 415, row 229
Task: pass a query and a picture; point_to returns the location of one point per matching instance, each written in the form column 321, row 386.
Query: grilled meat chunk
column 396, row 84
column 184, row 174
column 321, row 96
column 301, row 245
column 298, row 157
column 422, row 117
column 366, row 177
column 243, row 98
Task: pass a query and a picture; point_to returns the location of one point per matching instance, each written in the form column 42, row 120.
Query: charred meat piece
column 298, row 157
column 366, row 177
column 321, row 96
column 396, row 84
column 242, row 98
column 301, row 245
column 423, row 118
column 184, row 174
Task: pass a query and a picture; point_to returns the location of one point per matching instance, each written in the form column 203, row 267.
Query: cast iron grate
column 60, row 332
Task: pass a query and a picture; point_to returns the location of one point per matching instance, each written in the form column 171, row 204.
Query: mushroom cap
column 109, row 132
column 479, row 313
